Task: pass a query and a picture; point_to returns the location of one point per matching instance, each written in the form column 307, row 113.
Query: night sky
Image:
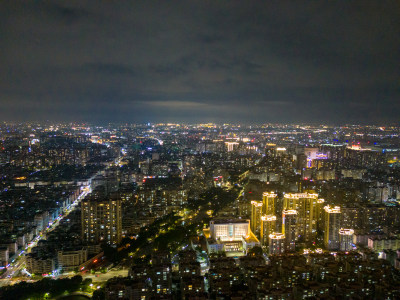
column 200, row 61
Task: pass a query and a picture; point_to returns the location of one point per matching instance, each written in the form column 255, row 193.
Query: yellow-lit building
column 269, row 203
column 320, row 213
column 256, row 213
column 268, row 226
column 101, row 220
column 307, row 207
column 331, row 228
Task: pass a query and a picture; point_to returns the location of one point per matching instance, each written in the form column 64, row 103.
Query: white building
column 70, row 259
column 229, row 230
column 230, row 235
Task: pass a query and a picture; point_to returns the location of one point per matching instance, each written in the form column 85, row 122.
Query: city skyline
column 205, row 211
column 244, row 62
column 199, row 149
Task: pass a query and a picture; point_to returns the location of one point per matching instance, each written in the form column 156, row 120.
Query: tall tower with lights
column 269, row 203
column 331, row 228
column 256, row 212
column 346, row 239
column 101, row 220
column 268, row 226
column 289, row 227
column 306, row 205
column 276, row 243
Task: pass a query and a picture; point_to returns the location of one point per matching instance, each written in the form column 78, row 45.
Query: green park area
column 47, row 288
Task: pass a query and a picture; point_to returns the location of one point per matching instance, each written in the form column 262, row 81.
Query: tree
column 99, row 295
column 255, row 251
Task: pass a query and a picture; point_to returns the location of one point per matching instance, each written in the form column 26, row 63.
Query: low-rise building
column 383, row 243
column 71, row 259
column 36, row 264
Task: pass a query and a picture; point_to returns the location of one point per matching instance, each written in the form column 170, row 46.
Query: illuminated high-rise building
column 306, row 205
column 268, row 226
column 256, row 213
column 101, row 220
column 276, row 243
column 291, row 201
column 320, row 213
column 289, row 228
column 331, row 228
column 269, row 203
column 346, row 239
column 309, row 217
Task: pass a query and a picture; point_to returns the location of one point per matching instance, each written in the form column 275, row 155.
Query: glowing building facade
column 229, row 230
column 231, row 146
column 268, row 226
column 256, row 213
column 320, row 213
column 331, row 228
column 230, row 235
column 269, row 203
column 307, row 207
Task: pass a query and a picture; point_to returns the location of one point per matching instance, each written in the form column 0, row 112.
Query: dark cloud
column 240, row 61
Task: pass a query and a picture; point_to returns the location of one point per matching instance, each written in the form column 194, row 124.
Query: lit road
column 106, row 276
column 19, row 264
column 98, row 278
